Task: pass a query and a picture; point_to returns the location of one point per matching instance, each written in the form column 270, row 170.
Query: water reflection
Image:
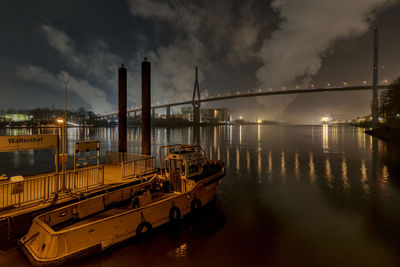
column 259, row 163
column 268, row 153
column 237, row 159
column 346, row 183
column 364, row 177
column 296, row 166
column 328, row 174
column 361, row 137
column 312, row 168
column 325, row 137
column 248, row 161
column 215, row 137
column 283, row 166
column 384, row 175
column 228, row 159
column 179, row 252
column 240, row 134
column 334, row 133
column 269, row 165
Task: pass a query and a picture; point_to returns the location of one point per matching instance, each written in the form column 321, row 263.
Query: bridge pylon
column 375, row 101
column 196, row 102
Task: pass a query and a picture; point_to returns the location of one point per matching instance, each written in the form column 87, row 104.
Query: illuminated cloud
column 307, row 32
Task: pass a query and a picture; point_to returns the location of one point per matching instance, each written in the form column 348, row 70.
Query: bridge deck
column 258, row 93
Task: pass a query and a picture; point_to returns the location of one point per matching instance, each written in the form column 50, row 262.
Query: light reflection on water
column 292, row 195
column 364, row 178
column 312, row 168
column 346, row 183
column 296, row 166
column 265, row 148
column 283, row 166
column 329, row 176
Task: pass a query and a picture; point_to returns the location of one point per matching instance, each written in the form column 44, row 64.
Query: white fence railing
column 132, row 165
column 43, row 187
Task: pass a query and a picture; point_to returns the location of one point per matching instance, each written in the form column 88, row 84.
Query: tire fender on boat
column 196, row 205
column 174, row 214
column 143, row 229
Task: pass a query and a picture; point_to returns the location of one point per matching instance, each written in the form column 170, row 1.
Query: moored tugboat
column 186, row 183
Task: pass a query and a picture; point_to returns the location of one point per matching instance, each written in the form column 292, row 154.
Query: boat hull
column 46, row 247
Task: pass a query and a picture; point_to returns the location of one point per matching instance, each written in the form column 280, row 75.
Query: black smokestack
column 122, row 109
column 146, row 116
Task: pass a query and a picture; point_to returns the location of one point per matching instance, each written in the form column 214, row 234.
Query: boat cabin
column 184, row 165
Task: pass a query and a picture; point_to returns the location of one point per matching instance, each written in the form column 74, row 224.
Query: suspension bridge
column 253, row 93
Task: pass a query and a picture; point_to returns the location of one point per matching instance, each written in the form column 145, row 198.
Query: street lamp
column 63, row 157
column 65, row 78
column 61, row 121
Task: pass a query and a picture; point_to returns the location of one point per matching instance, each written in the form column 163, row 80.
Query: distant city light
column 324, row 119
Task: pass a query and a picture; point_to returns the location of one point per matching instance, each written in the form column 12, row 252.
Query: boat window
column 193, row 167
column 183, row 168
column 167, row 166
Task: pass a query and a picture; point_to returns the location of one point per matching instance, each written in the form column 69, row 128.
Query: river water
column 292, row 196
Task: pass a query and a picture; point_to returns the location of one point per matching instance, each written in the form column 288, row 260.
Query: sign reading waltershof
column 23, row 142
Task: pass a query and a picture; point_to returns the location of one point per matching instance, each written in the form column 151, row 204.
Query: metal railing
column 132, row 165
column 43, row 187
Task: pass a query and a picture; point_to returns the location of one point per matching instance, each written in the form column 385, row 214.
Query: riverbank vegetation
column 389, row 108
column 389, row 111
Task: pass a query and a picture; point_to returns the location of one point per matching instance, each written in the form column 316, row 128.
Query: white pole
column 65, row 78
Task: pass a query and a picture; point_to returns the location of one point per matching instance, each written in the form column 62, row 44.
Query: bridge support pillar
column 122, row 109
column 153, row 113
column 168, row 112
column 146, row 105
column 196, row 114
column 375, row 104
column 196, row 134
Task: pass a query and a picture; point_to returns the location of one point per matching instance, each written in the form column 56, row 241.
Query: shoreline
column 391, row 135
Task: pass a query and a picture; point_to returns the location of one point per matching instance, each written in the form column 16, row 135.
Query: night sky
column 238, row 45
